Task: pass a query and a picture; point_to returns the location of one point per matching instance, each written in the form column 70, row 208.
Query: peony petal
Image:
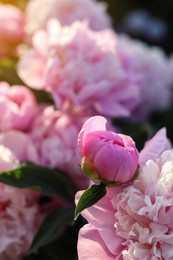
column 154, row 147
column 101, row 215
column 95, row 123
column 31, row 69
column 91, row 246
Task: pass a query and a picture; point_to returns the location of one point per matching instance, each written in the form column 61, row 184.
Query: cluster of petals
column 11, row 29
column 54, row 135
column 79, row 67
column 134, row 221
column 150, row 69
column 20, row 216
column 145, row 210
column 67, row 12
column 17, row 107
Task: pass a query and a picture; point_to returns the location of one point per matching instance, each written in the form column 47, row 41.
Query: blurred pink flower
column 20, row 144
column 54, row 135
column 38, row 12
column 8, row 160
column 134, row 221
column 149, row 68
column 11, row 29
column 106, row 155
column 17, row 107
column 79, row 67
column 20, row 216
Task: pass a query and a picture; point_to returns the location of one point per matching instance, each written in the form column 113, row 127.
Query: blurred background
column 150, row 21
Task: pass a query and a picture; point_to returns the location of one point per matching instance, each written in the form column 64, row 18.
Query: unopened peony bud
column 110, row 157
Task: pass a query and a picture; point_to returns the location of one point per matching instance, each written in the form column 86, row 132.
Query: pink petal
column 31, row 69
column 95, row 123
column 101, row 216
column 91, row 246
column 40, row 37
column 154, row 147
column 112, row 108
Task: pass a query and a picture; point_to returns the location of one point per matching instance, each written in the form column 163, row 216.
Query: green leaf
column 30, row 257
column 8, row 63
column 50, row 227
column 48, row 181
column 8, row 71
column 90, row 197
column 42, row 96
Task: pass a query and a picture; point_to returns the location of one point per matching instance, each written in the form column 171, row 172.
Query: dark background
column 161, row 9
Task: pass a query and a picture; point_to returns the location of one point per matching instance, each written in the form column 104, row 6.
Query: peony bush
column 81, row 105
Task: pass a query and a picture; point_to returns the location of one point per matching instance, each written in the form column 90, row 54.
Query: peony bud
column 110, row 157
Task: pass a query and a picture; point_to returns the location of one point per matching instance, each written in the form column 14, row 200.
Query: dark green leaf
column 63, row 247
column 30, row 257
column 42, row 96
column 90, row 197
column 48, row 181
column 50, row 227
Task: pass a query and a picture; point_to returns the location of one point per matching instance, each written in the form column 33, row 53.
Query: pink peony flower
column 134, row 221
column 150, row 69
column 20, row 216
column 54, row 135
column 80, row 68
column 17, row 107
column 106, row 155
column 66, row 11
column 144, row 212
column 11, row 29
